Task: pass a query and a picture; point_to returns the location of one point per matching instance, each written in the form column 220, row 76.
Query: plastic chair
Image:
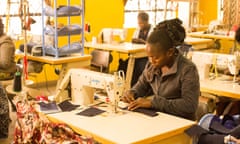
column 101, row 60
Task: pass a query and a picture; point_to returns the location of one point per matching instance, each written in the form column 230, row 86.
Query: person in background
column 7, row 70
column 172, row 78
column 139, row 37
column 144, row 29
column 7, row 53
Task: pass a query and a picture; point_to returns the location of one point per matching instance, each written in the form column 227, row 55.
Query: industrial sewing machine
column 207, row 62
column 109, row 35
column 84, row 83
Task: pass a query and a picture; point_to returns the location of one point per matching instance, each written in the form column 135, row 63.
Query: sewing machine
column 109, row 35
column 206, row 61
column 84, row 83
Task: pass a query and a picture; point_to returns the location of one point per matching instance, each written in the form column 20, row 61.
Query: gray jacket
column 175, row 92
column 7, row 53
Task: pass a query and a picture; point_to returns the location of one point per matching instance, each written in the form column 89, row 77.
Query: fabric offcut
column 90, row 112
column 50, row 107
column 63, row 11
column 148, row 112
column 65, row 30
column 67, row 106
column 65, row 50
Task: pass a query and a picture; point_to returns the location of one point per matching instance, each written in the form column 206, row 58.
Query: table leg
column 67, row 66
column 129, row 72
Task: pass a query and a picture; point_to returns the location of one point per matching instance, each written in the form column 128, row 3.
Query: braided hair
column 169, row 34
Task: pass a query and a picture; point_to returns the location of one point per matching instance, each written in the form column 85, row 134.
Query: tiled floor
column 40, row 90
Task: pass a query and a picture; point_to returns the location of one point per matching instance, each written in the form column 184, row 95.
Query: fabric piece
column 148, row 112
column 67, row 106
column 50, row 107
column 196, row 130
column 90, row 112
column 211, row 129
column 34, row 128
column 4, row 113
column 211, row 139
column 63, row 11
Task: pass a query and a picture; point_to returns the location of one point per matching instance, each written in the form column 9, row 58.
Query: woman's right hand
column 128, row 97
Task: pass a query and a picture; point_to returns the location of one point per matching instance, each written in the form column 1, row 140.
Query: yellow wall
column 208, row 11
column 103, row 13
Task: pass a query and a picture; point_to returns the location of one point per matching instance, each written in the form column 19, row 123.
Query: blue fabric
column 63, row 11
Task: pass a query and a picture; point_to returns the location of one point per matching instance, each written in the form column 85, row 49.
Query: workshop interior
column 120, row 71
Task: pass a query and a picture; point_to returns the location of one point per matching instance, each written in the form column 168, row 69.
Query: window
column 12, row 8
column 158, row 10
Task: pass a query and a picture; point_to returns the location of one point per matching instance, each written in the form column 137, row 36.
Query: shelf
column 64, row 31
column 63, row 11
column 65, row 50
column 67, row 11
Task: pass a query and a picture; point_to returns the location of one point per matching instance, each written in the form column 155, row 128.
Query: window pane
column 14, row 23
column 130, row 19
column 147, row 5
column 132, row 5
column 155, row 9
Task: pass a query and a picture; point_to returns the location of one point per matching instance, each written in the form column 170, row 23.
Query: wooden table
column 72, row 61
column 129, row 127
column 198, row 43
column 221, row 86
column 215, row 37
column 210, row 36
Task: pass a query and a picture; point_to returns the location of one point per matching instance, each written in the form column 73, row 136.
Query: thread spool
column 17, row 83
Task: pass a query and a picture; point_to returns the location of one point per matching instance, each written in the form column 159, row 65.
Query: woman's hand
column 128, row 97
column 140, row 102
column 230, row 138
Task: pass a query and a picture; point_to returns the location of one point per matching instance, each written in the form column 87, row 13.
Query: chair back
column 101, row 59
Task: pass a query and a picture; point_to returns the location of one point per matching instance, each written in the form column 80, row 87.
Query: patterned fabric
column 4, row 113
column 34, row 128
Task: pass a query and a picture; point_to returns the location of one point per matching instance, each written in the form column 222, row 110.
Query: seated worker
column 7, row 70
column 7, row 53
column 173, row 79
column 143, row 31
column 140, row 35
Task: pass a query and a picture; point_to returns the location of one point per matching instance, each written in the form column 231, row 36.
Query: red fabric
column 32, row 128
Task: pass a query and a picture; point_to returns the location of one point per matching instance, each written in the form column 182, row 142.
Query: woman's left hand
column 140, row 102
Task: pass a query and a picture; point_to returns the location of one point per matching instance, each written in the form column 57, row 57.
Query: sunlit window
column 11, row 11
column 158, row 10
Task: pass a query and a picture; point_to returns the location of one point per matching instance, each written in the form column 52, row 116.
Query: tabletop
column 210, row 35
column 221, row 86
column 60, row 60
column 129, row 127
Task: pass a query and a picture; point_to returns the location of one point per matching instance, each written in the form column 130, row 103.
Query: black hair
column 143, row 16
column 169, row 34
column 237, row 35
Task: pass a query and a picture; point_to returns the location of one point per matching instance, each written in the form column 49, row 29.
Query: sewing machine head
column 234, row 63
column 217, row 61
column 85, row 82
column 110, row 35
